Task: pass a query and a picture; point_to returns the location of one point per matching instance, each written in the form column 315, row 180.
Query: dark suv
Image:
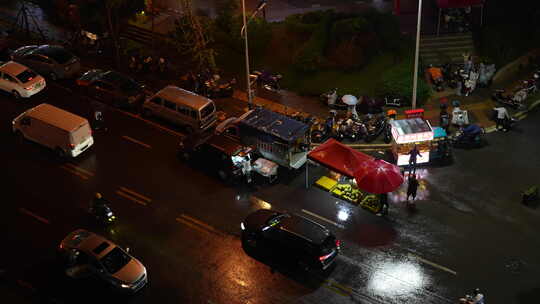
column 295, row 238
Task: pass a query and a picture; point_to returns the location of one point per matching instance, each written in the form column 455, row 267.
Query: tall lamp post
column 415, row 76
column 244, row 33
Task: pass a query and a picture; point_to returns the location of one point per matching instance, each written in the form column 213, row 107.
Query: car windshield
column 57, row 53
column 275, row 220
column 115, row 260
column 208, row 110
column 125, row 83
column 26, row 76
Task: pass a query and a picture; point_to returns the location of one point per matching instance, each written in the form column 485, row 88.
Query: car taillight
column 338, row 244
column 72, row 146
column 28, row 88
column 324, row 257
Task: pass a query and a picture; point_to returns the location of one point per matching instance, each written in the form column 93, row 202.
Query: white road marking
column 79, row 169
column 421, row 259
column 37, row 217
column 180, row 220
column 73, row 171
column 322, row 218
column 131, row 198
column 136, row 141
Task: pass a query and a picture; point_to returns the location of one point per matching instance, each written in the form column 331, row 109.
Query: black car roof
column 58, row 53
column 305, row 228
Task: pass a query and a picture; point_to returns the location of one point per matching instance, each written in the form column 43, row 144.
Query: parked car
column 295, row 238
column 222, row 154
column 53, row 61
column 113, row 88
column 88, row 254
column 20, row 81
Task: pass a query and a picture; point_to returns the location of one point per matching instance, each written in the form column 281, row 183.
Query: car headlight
column 242, row 226
column 109, row 214
column 125, row 285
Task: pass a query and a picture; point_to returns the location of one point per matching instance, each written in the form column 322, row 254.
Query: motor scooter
column 102, row 214
column 333, row 100
column 515, row 101
column 268, row 80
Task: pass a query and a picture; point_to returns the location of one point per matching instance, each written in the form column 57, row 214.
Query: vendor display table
column 266, row 168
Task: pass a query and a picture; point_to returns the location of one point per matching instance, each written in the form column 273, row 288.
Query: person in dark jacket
column 414, row 153
column 412, row 187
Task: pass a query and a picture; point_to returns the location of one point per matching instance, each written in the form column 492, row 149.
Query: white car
column 91, row 254
column 20, row 81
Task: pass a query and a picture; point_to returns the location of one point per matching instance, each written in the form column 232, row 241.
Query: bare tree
column 195, row 38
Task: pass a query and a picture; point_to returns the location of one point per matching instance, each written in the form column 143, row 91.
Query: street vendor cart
column 409, row 132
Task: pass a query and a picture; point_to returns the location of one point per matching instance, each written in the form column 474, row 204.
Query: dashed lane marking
column 136, row 141
column 131, row 198
column 84, row 171
column 146, row 198
column 37, row 217
column 73, row 171
column 322, row 218
column 197, row 224
column 421, row 259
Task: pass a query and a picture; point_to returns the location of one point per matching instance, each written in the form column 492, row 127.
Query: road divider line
column 131, row 198
column 146, row 198
column 75, row 172
column 421, row 259
column 322, row 218
column 196, row 227
column 201, row 224
column 37, row 217
column 79, row 169
column 152, row 123
column 136, row 141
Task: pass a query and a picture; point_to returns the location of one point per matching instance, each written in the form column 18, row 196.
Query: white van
column 182, row 107
column 64, row 132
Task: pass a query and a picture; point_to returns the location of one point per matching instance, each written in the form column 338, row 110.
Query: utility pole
column 416, row 53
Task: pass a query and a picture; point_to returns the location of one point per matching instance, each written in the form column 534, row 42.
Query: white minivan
column 196, row 113
column 64, row 132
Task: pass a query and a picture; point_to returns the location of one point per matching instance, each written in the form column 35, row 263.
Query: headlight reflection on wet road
column 393, row 278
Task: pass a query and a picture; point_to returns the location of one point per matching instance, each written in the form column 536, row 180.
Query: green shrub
column 398, row 80
column 311, row 56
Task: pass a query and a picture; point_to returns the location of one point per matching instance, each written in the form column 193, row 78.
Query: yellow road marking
column 432, row 263
column 201, row 224
column 191, row 225
column 136, row 194
column 37, row 217
column 322, row 218
column 72, row 171
column 79, row 169
column 129, row 197
column 137, row 142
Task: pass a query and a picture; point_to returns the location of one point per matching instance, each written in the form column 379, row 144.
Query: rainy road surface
column 469, row 229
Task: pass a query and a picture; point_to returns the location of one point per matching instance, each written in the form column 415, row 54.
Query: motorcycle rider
column 98, row 205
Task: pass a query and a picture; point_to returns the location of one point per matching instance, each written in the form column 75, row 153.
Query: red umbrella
column 378, row 176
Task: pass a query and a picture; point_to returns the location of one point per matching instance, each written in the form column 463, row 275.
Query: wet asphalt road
column 469, row 229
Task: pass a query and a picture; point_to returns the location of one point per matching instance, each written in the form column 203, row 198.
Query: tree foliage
column 399, row 81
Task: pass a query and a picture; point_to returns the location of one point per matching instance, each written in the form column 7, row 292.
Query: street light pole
column 415, row 76
column 245, row 31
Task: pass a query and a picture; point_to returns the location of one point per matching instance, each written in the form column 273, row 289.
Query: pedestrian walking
column 444, row 120
column 478, row 297
column 414, row 153
column 501, row 119
column 383, row 201
column 412, row 187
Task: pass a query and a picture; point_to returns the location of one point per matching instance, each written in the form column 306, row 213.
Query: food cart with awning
column 354, row 176
column 409, row 132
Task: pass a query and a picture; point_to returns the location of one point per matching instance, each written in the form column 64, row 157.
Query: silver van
column 64, row 132
column 181, row 107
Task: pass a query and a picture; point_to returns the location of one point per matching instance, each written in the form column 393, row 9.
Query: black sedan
column 112, row 88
